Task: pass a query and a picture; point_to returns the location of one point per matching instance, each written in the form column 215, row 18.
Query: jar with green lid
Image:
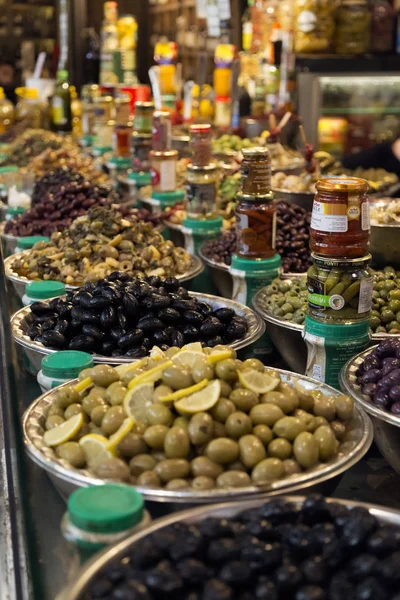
column 102, row 515
column 27, row 242
column 14, row 211
column 60, row 367
column 340, row 290
column 36, row 291
column 138, row 182
column 201, row 191
column 353, row 27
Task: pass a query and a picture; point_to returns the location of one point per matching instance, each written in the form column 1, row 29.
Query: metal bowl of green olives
column 354, row 438
column 384, row 245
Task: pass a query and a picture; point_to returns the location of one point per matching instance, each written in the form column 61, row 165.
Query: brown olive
column 155, row 435
column 203, row 483
column 177, row 377
column 176, row 443
column 158, row 414
column 98, row 413
column 238, row 424
column 149, row 479
column 264, row 433
column 53, row 421
column 116, row 393
column 112, row 468
column 104, row 375
column 244, row 399
column 132, row 445
column 73, row 409
column 305, row 449
column 222, row 409
column 73, row 453
column 113, row 420
column 324, row 406
column 289, row 428
column 280, row 448
column 201, row 428
column 177, row 484
column 268, row 471
column 344, row 407
column 202, row 466
column 172, row 468
column 284, row 402
column 266, row 414
column 226, row 370
column 233, row 479
column 222, row 450
column 252, row 451
column 141, row 463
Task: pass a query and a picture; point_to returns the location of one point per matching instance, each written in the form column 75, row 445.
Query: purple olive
column 371, row 362
column 389, row 364
column 383, row 385
column 393, row 377
column 395, row 408
column 369, row 389
column 394, row 394
column 387, row 348
column 371, row 376
column 382, row 400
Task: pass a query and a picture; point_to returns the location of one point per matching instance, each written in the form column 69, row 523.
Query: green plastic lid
column 66, row 364
column 99, row 150
column 252, row 265
column 12, row 211
column 120, row 162
column 169, row 197
column 44, row 289
column 336, row 331
column 108, row 508
column 8, row 169
column 201, row 225
column 26, row 243
column 86, row 140
column 141, row 178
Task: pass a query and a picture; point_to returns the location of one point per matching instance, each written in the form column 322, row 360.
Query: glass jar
column 88, row 118
column 143, row 117
column 103, row 141
column 353, row 24
column 122, row 140
column 141, row 146
column 200, row 142
column 122, row 109
column 255, row 226
column 256, row 171
column 6, row 112
column 30, row 110
column 163, row 170
column 340, row 290
column 314, row 25
column 340, row 225
column 383, row 23
column 201, row 191
column 103, row 108
column 162, row 130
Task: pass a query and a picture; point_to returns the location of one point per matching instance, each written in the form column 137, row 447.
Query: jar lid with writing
column 256, row 171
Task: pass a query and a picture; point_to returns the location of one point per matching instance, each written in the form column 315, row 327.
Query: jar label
column 164, row 178
column 201, row 198
column 256, row 177
column 255, row 236
column 143, row 123
column 365, row 220
column 366, row 290
column 329, row 217
column 346, row 300
column 58, row 112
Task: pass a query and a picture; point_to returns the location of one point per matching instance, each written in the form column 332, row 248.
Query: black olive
column 235, row 331
column 141, row 289
column 153, row 280
column 53, row 339
column 64, row 311
column 149, row 324
column 193, row 317
column 77, row 313
column 215, row 341
column 91, row 316
column 131, row 338
column 169, row 315
column 137, row 352
column 160, row 337
column 171, row 283
column 204, row 308
column 99, row 302
column 190, row 332
column 177, row 339
column 210, row 327
column 122, row 320
column 225, row 315
column 82, row 299
column 147, row 343
column 82, row 342
column 169, row 330
column 43, row 318
column 130, row 304
column 183, row 304
column 69, row 296
column 157, row 302
column 54, row 303
column 112, row 294
column 93, row 331
column 116, row 333
column 61, row 326
column 75, row 324
column 108, row 317
column 107, row 347
column 49, row 324
column 183, row 292
column 40, row 308
column 116, row 352
column 38, row 339
column 33, row 331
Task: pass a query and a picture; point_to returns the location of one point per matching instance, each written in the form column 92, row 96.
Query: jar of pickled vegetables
column 353, row 23
column 340, row 290
column 314, row 25
column 201, row 191
column 122, row 140
column 143, row 117
column 200, row 138
column 163, row 170
column 162, row 131
column 340, row 224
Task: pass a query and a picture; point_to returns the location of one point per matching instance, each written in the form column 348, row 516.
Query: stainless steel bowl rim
column 46, row 458
column 289, row 193
column 256, row 328
column 347, row 380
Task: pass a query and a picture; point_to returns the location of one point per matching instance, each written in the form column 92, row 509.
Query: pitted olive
column 244, row 399
column 238, row 424
column 201, row 428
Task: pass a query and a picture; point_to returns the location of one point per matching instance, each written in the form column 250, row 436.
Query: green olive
column 233, row 479
column 202, row 369
column 236, row 466
column 203, row 483
column 140, row 428
column 201, row 428
column 177, row 443
column 226, row 370
column 112, row 468
column 132, row 445
column 267, row 471
column 66, row 396
column 73, row 453
column 149, row 479
column 98, row 413
column 319, row 421
column 238, row 424
column 181, row 422
column 303, row 415
column 266, row 414
column 177, row 377
column 326, row 442
column 253, row 363
column 290, row 392
column 222, row 450
column 172, row 468
column 280, row 448
column 98, row 392
column 291, row 467
column 306, row 400
column 344, row 407
column 219, row 430
column 305, row 449
column 339, row 429
column 103, row 375
column 222, row 409
column 202, row 466
column 177, row 484
column 289, row 428
column 84, row 374
column 158, row 455
column 141, row 463
column 264, row 433
column 53, row 421
column 55, row 410
column 158, row 414
column 171, row 351
column 95, row 429
column 244, row 399
column 285, row 403
column 324, row 406
column 252, row 451
column 116, row 393
column 226, row 389
column 90, row 402
column 84, row 430
column 113, row 420
column 160, row 391
column 155, row 435
column 73, row 409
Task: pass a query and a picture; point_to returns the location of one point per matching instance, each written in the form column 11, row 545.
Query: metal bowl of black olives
column 303, row 199
column 372, row 378
column 119, row 319
column 305, row 548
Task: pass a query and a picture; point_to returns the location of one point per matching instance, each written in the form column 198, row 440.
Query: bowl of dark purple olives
column 120, row 318
column 372, row 378
column 285, row 548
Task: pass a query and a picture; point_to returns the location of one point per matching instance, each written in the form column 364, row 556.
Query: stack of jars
column 140, row 175
column 120, row 163
column 340, row 282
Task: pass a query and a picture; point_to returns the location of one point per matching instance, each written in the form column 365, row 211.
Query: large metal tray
column 66, row 478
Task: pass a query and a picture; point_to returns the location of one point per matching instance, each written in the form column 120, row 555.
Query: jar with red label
column 200, row 142
column 340, row 225
column 163, row 170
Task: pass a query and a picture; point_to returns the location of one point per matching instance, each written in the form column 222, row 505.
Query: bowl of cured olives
column 118, row 319
column 275, row 549
column 372, row 378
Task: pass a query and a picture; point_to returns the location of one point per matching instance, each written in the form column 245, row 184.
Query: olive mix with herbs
column 196, row 419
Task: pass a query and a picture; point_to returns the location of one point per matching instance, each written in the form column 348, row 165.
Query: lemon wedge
column 137, row 400
column 119, row 435
column 96, row 448
column 150, row 376
column 200, row 401
column 83, row 385
column 185, row 392
column 64, row 432
column 257, row 382
column 188, row 358
column 156, row 353
column 193, row 347
column 215, row 357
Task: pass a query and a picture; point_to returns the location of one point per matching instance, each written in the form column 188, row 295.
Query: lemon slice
column 193, row 347
column 137, row 400
column 200, row 401
column 257, row 382
column 185, row 392
column 119, row 435
column 83, row 385
column 156, row 353
column 64, row 432
column 215, row 357
column 189, row 358
column 150, row 376
column 96, row 448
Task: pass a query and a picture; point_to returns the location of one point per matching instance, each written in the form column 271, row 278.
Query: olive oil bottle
column 60, row 105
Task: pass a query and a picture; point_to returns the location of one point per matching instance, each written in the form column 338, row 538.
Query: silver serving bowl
column 91, row 571
column 384, row 241
column 9, row 243
column 386, row 425
column 176, row 234
column 35, row 350
column 303, row 199
column 356, row 443
column 19, row 282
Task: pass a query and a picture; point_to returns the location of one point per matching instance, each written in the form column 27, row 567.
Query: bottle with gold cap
column 30, row 109
column 6, row 112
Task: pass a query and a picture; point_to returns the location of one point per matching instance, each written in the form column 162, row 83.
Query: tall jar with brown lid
column 340, row 225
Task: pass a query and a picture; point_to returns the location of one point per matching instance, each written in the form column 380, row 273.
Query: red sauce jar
column 200, row 138
column 340, row 225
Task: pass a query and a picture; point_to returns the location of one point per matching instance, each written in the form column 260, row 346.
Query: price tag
column 224, row 9
column 213, row 19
